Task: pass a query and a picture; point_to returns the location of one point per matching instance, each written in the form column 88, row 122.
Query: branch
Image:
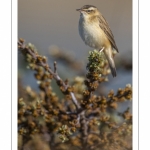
column 38, row 60
column 84, row 129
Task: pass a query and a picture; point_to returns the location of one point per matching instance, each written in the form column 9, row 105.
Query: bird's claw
column 101, row 49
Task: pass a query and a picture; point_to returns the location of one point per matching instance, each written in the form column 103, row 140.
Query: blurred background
column 52, row 26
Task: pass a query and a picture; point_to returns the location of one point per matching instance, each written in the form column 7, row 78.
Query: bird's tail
column 112, row 67
column 111, row 62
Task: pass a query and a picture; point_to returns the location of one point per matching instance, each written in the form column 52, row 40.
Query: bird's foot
column 101, row 49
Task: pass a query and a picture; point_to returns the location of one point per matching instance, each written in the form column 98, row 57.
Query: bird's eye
column 89, row 11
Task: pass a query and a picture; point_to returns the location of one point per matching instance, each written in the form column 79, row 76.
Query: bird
column 96, row 33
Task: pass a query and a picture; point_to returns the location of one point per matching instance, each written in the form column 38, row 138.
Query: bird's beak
column 78, row 10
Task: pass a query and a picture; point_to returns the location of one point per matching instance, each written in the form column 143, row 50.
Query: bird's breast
column 92, row 34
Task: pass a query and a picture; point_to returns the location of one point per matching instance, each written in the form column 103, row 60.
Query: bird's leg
column 101, row 49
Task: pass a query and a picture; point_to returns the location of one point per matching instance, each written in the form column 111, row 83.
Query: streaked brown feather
column 105, row 27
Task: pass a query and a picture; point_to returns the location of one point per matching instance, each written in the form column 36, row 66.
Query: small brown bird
column 95, row 32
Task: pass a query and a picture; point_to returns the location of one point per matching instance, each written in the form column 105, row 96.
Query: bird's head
column 88, row 11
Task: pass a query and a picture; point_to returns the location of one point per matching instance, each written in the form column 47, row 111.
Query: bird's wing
column 105, row 27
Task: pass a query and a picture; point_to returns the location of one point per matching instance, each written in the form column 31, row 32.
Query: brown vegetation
column 81, row 120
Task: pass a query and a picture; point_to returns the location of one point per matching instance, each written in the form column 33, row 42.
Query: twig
column 55, row 67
